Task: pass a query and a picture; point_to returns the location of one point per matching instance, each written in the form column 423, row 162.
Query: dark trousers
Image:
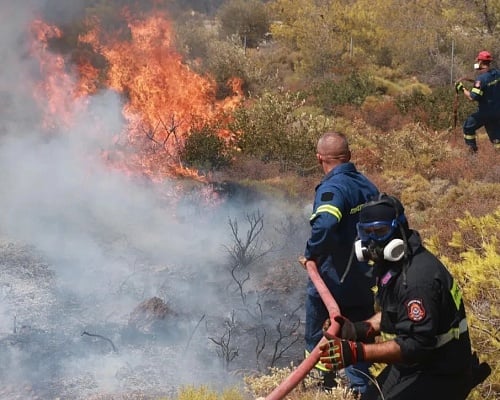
column 477, row 120
column 397, row 384
column 316, row 315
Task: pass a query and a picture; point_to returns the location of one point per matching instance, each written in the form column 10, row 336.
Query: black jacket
column 422, row 309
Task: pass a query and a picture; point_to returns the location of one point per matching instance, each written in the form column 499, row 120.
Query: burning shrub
column 146, row 315
column 205, row 151
column 226, row 60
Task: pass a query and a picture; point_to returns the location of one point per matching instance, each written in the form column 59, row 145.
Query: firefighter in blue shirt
column 486, row 92
column 425, row 342
column 337, row 202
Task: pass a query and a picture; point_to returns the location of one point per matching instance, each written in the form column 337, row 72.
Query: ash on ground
column 53, row 346
column 131, row 341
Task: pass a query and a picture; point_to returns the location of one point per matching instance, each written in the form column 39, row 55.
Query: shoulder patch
column 416, row 310
column 477, row 84
column 327, row 196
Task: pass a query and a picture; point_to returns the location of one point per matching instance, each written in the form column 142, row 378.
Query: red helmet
column 484, row 56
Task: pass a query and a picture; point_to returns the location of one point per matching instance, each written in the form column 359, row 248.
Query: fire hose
column 305, row 366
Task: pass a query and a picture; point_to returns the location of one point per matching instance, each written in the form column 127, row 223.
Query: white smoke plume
column 82, row 245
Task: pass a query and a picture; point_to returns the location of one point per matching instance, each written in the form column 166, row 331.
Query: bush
column 435, row 110
column 225, row 60
column 381, row 112
column 193, row 38
column 415, row 148
column 205, row 150
column 478, row 274
column 276, row 128
column 351, row 90
column 246, row 19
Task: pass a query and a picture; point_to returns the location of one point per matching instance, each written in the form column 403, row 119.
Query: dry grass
column 262, row 385
column 439, row 183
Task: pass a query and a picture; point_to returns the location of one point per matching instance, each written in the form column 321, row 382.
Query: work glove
column 337, row 353
column 361, row 330
column 459, row 86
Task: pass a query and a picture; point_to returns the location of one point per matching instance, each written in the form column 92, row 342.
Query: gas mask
column 376, row 242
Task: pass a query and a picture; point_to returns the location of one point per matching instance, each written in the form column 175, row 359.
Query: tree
column 246, row 19
column 311, row 30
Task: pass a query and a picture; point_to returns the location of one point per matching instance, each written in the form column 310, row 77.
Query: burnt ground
column 56, row 343
column 48, row 350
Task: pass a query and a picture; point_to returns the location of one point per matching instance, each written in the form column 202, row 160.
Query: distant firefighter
column 486, row 91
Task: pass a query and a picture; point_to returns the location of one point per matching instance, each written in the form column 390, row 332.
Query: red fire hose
column 305, row 366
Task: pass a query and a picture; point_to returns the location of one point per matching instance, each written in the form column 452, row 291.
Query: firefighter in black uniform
column 424, row 345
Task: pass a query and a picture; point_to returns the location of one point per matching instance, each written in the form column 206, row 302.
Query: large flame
column 55, row 91
column 163, row 98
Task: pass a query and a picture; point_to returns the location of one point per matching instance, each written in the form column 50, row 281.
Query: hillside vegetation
column 381, row 73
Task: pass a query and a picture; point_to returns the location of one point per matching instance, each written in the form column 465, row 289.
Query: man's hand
column 337, row 354
column 459, row 86
column 361, row 330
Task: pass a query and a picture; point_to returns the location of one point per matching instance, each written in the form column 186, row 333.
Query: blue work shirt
column 337, row 203
column 486, row 91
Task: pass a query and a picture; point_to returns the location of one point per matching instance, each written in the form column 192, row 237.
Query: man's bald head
column 333, row 146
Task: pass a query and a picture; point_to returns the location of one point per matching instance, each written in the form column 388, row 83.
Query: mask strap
column 406, row 256
column 348, row 268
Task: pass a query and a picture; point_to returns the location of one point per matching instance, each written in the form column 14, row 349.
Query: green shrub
column 276, row 128
column 205, row 393
column 414, row 147
column 351, row 90
column 436, row 110
column 193, row 37
column 247, row 19
column 205, row 150
column 225, row 60
column 478, row 274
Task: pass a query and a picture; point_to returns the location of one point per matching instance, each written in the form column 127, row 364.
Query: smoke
column 83, row 244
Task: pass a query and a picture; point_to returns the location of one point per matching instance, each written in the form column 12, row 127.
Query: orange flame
column 163, row 98
column 55, row 92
